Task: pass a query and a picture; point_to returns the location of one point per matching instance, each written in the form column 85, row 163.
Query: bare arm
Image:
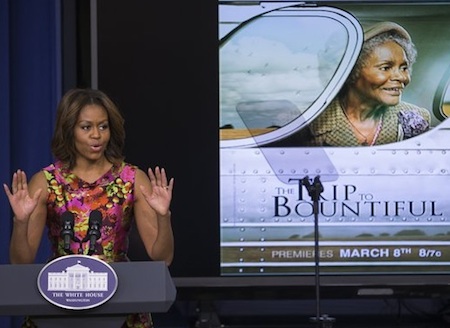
column 152, row 213
column 28, row 202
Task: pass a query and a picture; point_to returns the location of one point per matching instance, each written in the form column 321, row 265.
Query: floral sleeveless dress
column 112, row 195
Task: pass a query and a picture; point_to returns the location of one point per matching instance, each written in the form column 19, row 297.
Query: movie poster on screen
column 383, row 208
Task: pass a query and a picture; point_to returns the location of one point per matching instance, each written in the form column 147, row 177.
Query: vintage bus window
column 446, row 104
column 441, row 103
column 278, row 70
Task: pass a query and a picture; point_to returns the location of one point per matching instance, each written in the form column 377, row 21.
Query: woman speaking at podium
column 90, row 173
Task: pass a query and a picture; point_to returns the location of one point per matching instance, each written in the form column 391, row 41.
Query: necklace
column 366, row 141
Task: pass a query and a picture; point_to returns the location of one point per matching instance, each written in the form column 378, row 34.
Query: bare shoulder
column 38, row 178
column 38, row 181
column 141, row 178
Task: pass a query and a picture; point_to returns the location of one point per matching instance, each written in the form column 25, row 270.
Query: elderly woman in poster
column 368, row 110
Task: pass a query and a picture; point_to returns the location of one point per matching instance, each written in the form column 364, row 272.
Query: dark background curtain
column 159, row 64
column 30, row 87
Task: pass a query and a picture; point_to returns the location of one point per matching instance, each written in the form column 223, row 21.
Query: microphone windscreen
column 67, row 218
column 95, row 217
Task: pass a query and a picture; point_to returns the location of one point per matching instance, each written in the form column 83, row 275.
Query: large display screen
column 372, row 209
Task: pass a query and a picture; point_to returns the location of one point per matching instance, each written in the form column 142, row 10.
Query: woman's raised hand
column 21, row 202
column 161, row 195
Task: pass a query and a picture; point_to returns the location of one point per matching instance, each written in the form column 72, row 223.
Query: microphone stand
column 314, row 191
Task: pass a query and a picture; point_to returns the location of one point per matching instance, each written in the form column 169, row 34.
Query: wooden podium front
column 142, row 287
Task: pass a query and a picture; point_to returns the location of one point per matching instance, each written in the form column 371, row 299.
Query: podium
column 143, row 286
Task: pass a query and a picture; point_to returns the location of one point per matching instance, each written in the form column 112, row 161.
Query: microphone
column 306, row 183
column 315, row 188
column 317, row 184
column 95, row 223
column 67, row 219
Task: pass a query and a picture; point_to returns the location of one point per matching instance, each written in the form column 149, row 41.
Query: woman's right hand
column 21, row 202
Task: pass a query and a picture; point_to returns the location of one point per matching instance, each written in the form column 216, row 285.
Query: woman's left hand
column 161, row 195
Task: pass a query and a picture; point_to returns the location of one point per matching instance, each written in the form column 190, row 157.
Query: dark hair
column 370, row 45
column 69, row 108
